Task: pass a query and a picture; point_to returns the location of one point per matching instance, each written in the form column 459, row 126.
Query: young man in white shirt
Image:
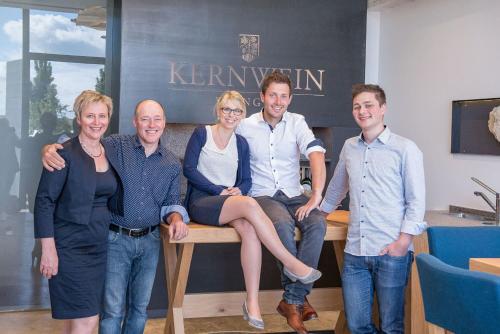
column 384, row 175
column 276, row 139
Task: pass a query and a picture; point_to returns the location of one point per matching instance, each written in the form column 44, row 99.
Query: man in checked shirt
column 151, row 176
column 384, row 175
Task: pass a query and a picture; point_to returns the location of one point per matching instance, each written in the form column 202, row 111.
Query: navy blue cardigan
column 68, row 194
column 200, row 182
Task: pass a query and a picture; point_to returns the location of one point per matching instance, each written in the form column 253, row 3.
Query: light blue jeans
column 281, row 210
column 130, row 276
column 388, row 276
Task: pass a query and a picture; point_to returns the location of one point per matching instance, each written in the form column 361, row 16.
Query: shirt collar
column 383, row 137
column 284, row 118
column 160, row 149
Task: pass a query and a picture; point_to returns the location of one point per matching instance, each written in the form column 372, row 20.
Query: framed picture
column 476, row 126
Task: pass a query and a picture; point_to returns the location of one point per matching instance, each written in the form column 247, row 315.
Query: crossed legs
column 254, row 227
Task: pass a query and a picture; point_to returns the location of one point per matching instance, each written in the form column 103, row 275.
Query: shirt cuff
column 167, row 210
column 315, row 148
column 413, row 227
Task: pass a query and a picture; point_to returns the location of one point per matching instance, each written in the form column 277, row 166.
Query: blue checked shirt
column 386, row 185
column 151, row 184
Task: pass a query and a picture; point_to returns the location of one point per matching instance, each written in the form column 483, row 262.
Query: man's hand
column 398, row 247
column 51, row 159
column 49, row 263
column 177, row 229
column 313, row 203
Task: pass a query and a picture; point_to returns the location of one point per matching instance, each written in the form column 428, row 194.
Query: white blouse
column 219, row 166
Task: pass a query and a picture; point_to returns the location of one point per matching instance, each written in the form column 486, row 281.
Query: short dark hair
column 368, row 88
column 277, row 77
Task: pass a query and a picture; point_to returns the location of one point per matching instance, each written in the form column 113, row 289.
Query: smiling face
column 149, row 122
column 276, row 99
column 367, row 111
column 230, row 113
column 93, row 120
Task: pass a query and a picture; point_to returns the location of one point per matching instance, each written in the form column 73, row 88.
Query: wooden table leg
column 341, row 325
column 175, row 319
column 170, row 257
column 418, row 323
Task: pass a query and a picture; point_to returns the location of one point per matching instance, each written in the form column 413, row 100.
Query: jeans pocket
column 155, row 234
column 393, row 270
column 113, row 236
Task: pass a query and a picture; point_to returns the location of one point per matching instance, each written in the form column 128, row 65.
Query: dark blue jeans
column 281, row 210
column 131, row 266
column 388, row 276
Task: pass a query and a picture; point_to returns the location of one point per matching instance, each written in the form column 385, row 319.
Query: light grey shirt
column 386, row 185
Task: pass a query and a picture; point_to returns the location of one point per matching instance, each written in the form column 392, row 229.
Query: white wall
column 430, row 53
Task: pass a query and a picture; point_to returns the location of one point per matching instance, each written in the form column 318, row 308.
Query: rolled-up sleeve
column 169, row 209
column 414, row 191
column 305, row 138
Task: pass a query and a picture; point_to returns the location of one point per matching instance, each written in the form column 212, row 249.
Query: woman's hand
column 49, row 263
column 233, row 191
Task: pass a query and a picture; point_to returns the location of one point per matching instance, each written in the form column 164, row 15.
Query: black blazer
column 68, row 194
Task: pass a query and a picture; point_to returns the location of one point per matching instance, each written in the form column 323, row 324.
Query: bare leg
column 66, row 327
column 83, row 325
column 236, row 207
column 251, row 260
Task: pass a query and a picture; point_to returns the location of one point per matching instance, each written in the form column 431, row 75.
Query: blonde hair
column 230, row 95
column 88, row 97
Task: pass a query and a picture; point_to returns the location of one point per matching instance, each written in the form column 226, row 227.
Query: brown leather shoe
column 308, row 312
column 293, row 315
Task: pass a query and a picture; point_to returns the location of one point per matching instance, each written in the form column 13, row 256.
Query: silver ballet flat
column 254, row 322
column 313, row 276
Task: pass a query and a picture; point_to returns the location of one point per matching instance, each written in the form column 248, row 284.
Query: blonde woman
column 217, row 166
column 72, row 216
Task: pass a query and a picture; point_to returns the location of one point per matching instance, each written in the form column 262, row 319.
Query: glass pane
column 54, row 87
column 63, row 33
column 21, row 285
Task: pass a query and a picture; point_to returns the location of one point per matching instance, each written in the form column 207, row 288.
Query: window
column 48, row 56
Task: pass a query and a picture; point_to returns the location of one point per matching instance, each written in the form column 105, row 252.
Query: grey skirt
column 205, row 208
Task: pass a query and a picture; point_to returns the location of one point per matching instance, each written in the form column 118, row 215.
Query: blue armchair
column 456, row 245
column 459, row 300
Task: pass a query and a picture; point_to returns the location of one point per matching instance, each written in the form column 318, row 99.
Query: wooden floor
column 40, row 322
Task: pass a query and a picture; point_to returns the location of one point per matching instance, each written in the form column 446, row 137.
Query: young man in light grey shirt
column 384, row 175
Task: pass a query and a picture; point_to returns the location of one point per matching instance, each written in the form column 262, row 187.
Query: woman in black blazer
column 72, row 215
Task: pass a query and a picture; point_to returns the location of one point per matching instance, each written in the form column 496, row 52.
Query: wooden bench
column 178, row 256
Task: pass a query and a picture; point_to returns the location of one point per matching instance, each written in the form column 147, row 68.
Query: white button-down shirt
column 386, row 185
column 275, row 153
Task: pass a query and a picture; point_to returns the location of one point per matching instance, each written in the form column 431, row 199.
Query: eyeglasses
column 236, row 112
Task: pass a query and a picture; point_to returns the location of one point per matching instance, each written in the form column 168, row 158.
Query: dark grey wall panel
column 185, row 52
column 165, row 42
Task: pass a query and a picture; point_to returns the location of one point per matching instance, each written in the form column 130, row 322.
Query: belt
column 134, row 233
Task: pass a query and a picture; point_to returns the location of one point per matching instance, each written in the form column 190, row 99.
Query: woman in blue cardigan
column 72, row 216
column 217, row 166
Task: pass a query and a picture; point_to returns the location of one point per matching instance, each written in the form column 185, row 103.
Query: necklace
column 86, row 149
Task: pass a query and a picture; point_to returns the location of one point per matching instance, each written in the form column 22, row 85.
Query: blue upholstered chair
column 456, row 245
column 459, row 300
